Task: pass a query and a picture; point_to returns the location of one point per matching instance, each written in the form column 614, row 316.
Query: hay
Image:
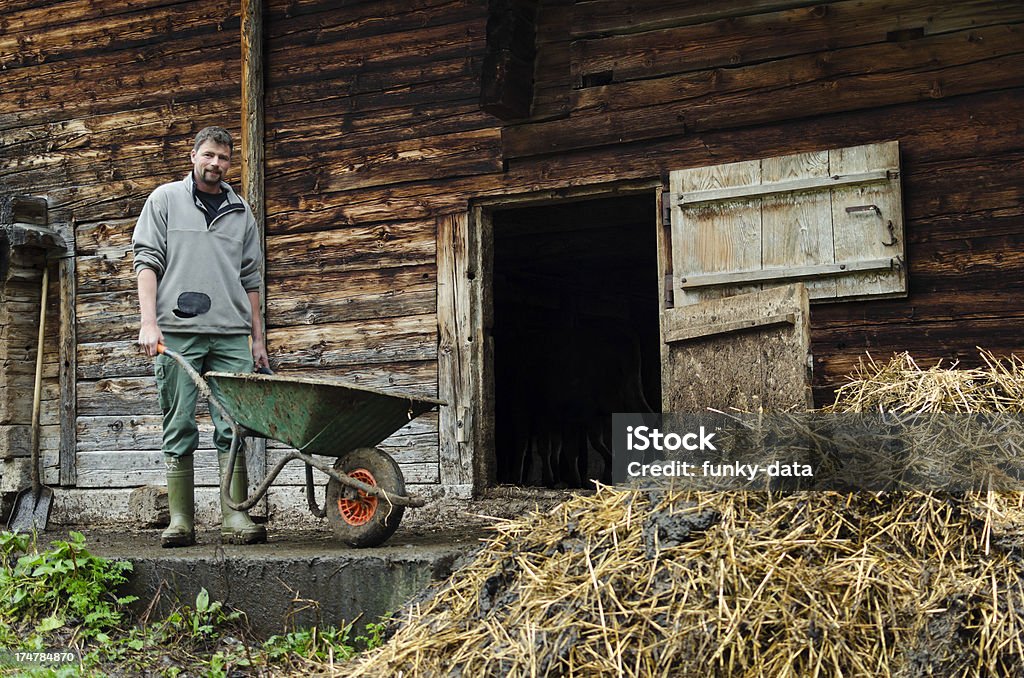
column 675, row 583
column 902, row 386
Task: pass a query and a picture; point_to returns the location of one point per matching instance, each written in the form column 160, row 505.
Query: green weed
column 65, row 597
column 63, row 586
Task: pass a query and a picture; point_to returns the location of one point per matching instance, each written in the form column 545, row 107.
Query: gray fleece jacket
column 203, row 272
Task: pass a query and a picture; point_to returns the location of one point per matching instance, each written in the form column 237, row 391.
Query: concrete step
column 295, row 580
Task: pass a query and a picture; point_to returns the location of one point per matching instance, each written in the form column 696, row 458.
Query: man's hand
column 149, row 336
column 259, row 355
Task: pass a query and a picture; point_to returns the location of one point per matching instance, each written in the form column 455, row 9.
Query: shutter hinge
column 666, row 208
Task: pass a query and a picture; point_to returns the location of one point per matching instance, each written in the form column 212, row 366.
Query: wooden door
column 749, row 352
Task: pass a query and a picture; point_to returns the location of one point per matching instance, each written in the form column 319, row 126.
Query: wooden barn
column 527, row 208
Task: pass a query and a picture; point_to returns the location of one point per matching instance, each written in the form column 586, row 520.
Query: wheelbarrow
column 365, row 498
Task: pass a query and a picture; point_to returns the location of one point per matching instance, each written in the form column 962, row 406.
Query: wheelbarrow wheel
column 357, row 518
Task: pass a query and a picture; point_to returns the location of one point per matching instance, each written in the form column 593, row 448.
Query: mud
column 667, row 527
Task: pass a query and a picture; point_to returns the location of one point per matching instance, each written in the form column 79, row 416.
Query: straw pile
column 895, row 426
column 675, row 583
column 901, row 386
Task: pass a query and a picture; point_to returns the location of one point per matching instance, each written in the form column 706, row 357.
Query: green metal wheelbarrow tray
column 365, row 497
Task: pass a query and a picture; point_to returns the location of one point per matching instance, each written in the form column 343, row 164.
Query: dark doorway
column 576, row 335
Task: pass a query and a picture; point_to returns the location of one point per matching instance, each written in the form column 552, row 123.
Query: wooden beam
column 694, row 198
column 253, row 175
column 454, row 354
column 68, row 368
column 506, row 80
column 788, row 273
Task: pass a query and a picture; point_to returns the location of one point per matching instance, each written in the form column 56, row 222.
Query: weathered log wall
column 100, row 104
column 631, row 90
column 374, row 129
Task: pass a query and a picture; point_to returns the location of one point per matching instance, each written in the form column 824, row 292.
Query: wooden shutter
column 832, row 219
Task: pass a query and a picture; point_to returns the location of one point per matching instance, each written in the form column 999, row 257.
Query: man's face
column 210, row 164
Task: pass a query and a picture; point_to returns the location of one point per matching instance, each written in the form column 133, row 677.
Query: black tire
column 364, row 522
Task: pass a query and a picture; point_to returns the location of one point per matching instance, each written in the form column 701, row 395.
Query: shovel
column 32, row 505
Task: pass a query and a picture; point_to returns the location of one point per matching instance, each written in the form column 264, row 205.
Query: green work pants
column 177, row 392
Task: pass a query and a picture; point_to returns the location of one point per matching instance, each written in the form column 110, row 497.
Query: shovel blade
column 31, row 511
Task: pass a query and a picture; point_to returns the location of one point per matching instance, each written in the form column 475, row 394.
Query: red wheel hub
column 359, row 511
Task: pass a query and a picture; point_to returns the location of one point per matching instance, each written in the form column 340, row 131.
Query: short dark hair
column 217, row 135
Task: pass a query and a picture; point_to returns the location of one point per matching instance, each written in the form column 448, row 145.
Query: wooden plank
column 110, row 238
column 481, row 421
column 252, row 136
column 706, row 42
column 28, row 16
column 337, row 56
column 467, row 152
column 863, row 235
column 124, row 468
column 70, row 41
column 68, row 369
column 360, row 19
column 252, row 171
column 405, row 444
column 360, row 124
column 140, row 82
column 106, row 316
column 103, row 274
column 136, row 395
column 454, row 369
column 690, row 199
column 810, row 219
column 414, row 447
column 947, row 305
column 839, row 350
column 797, row 229
column 357, row 342
column 133, row 468
column 965, row 62
column 107, row 359
column 376, row 245
column 357, row 99
column 353, row 295
column 765, row 367
column 552, row 73
column 600, row 17
column 789, row 273
column 720, row 237
column 131, row 432
column 140, row 136
column 123, row 396
column 688, row 332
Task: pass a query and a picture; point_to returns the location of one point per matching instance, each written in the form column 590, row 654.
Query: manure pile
column 671, row 583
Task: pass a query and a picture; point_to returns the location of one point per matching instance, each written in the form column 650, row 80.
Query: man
column 197, row 259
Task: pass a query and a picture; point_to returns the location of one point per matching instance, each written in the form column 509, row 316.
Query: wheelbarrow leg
column 314, row 508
